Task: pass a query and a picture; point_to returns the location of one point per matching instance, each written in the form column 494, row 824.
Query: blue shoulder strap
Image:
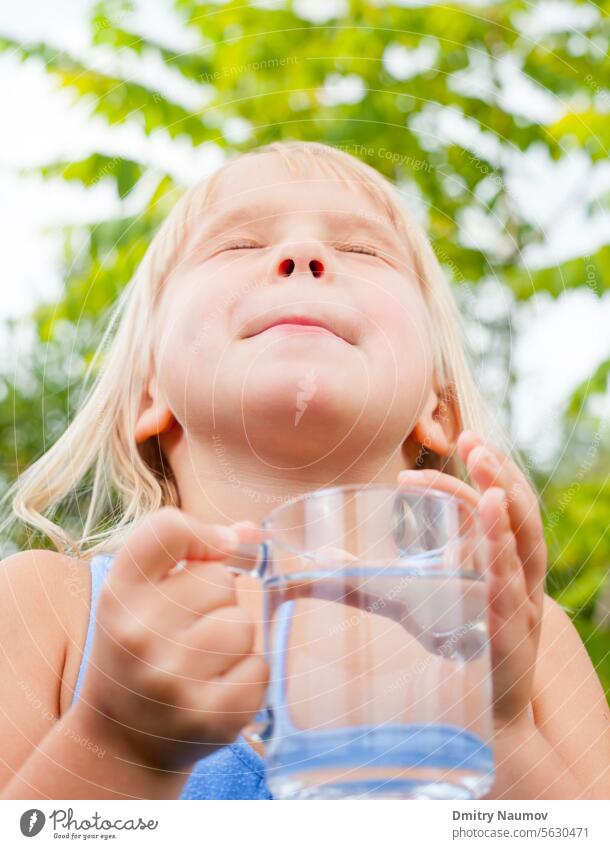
column 99, row 566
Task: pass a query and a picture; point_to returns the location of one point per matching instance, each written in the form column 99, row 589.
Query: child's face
column 294, row 247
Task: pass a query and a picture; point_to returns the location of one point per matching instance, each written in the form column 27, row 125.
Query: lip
column 300, row 323
column 291, row 327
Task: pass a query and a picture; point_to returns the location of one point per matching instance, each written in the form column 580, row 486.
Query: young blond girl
column 122, row 677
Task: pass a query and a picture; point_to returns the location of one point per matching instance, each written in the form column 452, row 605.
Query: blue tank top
column 235, row 771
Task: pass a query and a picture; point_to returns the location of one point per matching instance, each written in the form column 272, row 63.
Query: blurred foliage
column 380, row 80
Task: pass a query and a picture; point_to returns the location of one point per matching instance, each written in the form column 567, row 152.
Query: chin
column 291, row 405
column 311, row 388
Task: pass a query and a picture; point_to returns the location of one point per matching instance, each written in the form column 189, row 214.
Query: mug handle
column 251, row 559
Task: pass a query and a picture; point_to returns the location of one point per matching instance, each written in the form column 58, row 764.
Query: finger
column 250, row 532
column 165, row 538
column 507, row 584
column 239, row 693
column 466, row 442
column 509, row 610
column 180, row 599
column 487, row 470
column 488, row 466
column 252, row 669
column 433, row 479
column 218, row 640
column 333, row 553
column 468, row 530
column 248, row 555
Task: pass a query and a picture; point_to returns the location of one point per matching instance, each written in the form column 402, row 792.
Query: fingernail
column 490, row 461
column 502, row 503
column 505, row 503
column 497, row 527
column 228, row 538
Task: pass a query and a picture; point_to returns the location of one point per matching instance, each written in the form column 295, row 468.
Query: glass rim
column 437, row 494
column 320, row 493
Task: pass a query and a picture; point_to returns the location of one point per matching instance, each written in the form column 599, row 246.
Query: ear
column 440, row 423
column 154, row 417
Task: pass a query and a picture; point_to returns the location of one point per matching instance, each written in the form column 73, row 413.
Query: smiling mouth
column 290, row 328
column 300, row 325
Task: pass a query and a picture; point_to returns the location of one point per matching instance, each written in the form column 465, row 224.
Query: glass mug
column 376, row 634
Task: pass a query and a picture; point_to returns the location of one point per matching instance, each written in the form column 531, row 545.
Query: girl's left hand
column 512, row 523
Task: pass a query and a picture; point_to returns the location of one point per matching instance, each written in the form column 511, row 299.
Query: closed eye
column 348, row 247
column 238, row 246
column 356, row 248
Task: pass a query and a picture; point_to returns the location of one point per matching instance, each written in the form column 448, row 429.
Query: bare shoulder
column 46, row 585
column 569, row 703
column 44, row 610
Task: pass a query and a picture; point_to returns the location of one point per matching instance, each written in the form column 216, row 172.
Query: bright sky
column 559, row 342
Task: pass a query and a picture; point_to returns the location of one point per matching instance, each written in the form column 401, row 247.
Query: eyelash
column 236, row 246
column 342, row 246
column 358, row 249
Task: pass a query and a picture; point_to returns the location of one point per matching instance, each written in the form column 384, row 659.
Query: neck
column 221, row 482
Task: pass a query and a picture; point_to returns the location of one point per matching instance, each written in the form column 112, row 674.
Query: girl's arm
column 41, row 754
column 569, row 705
column 562, row 750
column 67, row 765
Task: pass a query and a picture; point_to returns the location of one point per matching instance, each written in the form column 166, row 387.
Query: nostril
column 286, row 267
column 316, row 267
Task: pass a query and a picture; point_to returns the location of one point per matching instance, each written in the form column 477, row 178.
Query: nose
column 302, row 259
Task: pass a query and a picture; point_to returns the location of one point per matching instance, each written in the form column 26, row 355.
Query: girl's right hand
column 172, row 672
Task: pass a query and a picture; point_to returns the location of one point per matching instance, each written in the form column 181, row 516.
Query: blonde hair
column 100, row 440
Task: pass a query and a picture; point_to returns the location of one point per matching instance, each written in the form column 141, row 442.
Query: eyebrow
column 251, row 215
column 239, row 214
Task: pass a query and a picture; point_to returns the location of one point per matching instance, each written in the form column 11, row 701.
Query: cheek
column 399, row 326
column 197, row 314
column 399, row 345
column 191, row 343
